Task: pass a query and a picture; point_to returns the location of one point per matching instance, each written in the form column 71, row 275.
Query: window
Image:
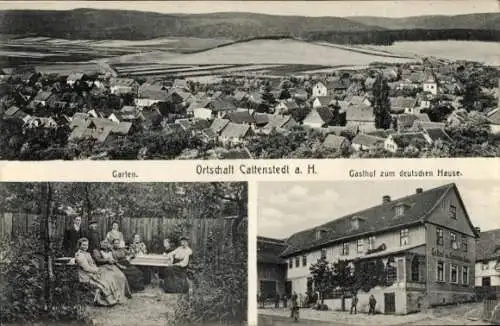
column 439, row 237
column 465, row 246
column 452, row 212
column 403, row 237
column 290, row 264
column 465, row 275
column 304, row 260
column 453, row 240
column 485, row 266
column 323, row 253
column 371, row 242
column 345, row 249
column 391, row 272
column 360, row 245
column 453, row 273
column 297, row 261
column 415, row 269
column 440, row 271
column 486, row 281
column 400, row 210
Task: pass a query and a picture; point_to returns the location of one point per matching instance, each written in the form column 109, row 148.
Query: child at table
column 138, row 248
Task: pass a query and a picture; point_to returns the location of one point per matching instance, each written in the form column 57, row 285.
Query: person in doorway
column 71, row 237
column 277, row 301
column 372, row 303
column 285, row 300
column 354, row 304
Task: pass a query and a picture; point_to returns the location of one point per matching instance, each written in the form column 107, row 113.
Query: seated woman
column 122, row 257
column 167, row 248
column 111, row 283
column 175, row 276
column 103, row 255
column 138, row 248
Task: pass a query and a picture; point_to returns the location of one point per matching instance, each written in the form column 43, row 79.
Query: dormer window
column 355, row 222
column 320, row 234
column 399, row 210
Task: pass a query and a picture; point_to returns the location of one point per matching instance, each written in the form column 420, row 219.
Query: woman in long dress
column 175, row 280
column 111, row 283
column 114, row 234
column 134, row 275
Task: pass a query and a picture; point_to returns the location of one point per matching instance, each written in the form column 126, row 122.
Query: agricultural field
column 483, row 52
column 280, row 52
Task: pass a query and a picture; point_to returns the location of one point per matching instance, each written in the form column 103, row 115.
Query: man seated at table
column 175, row 276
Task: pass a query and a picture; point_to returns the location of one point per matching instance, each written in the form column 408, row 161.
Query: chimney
column 419, row 190
column 386, row 199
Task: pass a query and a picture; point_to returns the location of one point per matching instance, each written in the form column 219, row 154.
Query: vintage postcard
column 251, row 80
column 123, row 253
column 408, row 253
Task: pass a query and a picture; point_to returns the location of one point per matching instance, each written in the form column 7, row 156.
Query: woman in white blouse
column 175, row 280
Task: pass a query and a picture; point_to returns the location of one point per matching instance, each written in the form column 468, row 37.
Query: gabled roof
column 375, row 219
column 405, row 139
column 122, row 82
column 153, row 92
column 269, row 250
column 334, row 141
column 218, row 125
column 74, row 76
column 360, row 112
column 325, row 100
column 42, row 96
column 235, row 130
column 438, row 134
column 401, row 103
column 240, row 117
column 199, row 104
column 423, row 125
column 494, row 116
column 261, row 118
column 11, row 111
column 367, row 140
column 277, row 121
column 488, row 245
column 407, row 120
column 222, row 104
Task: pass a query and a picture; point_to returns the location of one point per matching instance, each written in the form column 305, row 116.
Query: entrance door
column 288, row 288
column 268, row 289
column 389, row 303
column 486, row 281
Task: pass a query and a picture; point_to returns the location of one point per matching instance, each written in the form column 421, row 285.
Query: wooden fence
column 489, row 312
column 151, row 229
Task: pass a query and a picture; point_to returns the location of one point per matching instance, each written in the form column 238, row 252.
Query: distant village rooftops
column 488, row 245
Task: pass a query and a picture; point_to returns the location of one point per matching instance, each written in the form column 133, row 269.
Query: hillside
column 136, row 25
column 486, row 21
column 131, row 25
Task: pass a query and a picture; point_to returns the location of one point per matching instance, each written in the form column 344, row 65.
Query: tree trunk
column 88, row 202
column 46, row 197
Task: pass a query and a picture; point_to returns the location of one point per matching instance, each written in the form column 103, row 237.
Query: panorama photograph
column 414, row 252
column 248, row 80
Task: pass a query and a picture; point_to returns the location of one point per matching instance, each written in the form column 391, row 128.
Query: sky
column 303, row 8
column 285, row 208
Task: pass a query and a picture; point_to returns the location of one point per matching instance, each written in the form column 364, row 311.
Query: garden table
column 151, row 260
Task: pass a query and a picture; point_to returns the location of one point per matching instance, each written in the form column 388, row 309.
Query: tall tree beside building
column 322, row 274
column 381, row 103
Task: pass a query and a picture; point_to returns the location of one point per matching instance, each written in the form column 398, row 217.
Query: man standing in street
column 72, row 235
column 372, row 303
column 354, row 304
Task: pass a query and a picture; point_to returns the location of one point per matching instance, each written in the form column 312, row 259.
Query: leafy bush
column 220, row 286
column 27, row 293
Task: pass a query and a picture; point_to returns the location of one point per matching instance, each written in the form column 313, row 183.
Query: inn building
column 426, row 241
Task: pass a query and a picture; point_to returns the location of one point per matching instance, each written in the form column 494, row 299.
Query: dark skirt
column 135, row 277
column 174, row 280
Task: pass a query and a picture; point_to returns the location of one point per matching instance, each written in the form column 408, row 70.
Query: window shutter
column 446, row 277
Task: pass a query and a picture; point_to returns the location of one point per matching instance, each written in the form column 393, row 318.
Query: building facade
column 425, row 240
column 488, row 259
column 271, row 268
